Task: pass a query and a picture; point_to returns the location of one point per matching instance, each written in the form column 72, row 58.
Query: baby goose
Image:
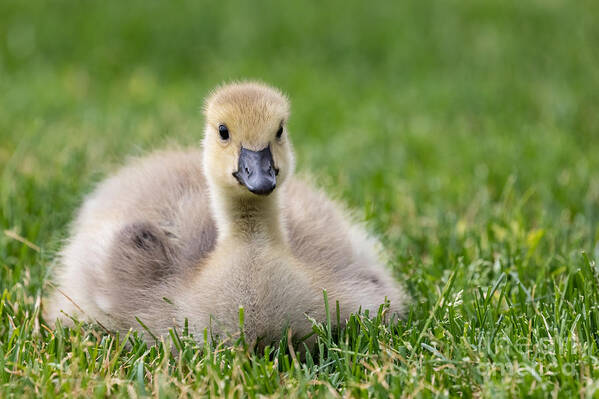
column 198, row 233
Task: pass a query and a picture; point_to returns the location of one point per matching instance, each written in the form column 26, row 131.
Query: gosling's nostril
column 247, row 170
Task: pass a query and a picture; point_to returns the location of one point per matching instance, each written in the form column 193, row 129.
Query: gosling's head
column 246, row 146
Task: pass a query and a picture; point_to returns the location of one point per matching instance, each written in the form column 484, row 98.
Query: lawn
column 465, row 132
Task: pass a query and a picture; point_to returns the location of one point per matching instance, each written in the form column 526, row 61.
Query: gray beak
column 256, row 171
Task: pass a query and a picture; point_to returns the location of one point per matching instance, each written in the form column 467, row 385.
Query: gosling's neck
column 249, row 219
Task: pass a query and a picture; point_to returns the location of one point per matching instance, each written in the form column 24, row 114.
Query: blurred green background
column 410, row 109
column 467, row 132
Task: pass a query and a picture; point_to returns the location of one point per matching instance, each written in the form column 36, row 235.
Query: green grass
column 466, row 131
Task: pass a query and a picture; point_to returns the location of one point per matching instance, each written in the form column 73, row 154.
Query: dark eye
column 224, row 132
column 280, row 132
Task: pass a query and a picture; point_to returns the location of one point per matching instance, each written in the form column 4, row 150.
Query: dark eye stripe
column 223, row 131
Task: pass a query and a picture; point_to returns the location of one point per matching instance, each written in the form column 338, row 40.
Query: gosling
column 196, row 234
